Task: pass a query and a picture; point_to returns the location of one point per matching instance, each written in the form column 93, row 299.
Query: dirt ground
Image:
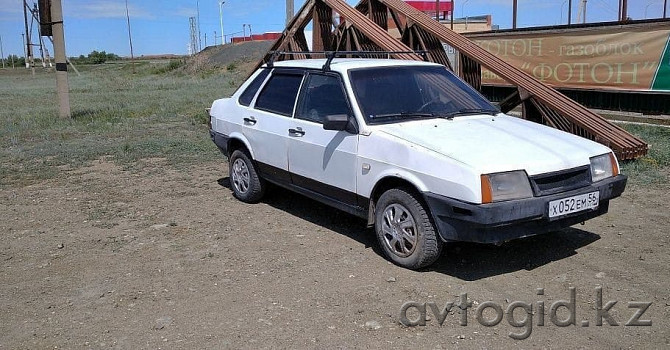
column 104, row 257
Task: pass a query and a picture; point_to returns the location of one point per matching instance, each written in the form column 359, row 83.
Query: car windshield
column 394, row 94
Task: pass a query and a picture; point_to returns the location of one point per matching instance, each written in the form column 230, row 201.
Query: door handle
column 298, row 132
column 250, row 121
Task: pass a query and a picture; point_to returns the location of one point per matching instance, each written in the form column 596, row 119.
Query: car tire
column 405, row 230
column 245, row 182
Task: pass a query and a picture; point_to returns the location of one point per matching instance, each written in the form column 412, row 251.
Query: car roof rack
column 331, row 55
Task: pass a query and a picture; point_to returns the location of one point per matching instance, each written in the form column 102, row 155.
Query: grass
column 654, row 168
column 157, row 111
column 129, row 112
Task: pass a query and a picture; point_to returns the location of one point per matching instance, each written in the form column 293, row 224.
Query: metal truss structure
column 365, row 28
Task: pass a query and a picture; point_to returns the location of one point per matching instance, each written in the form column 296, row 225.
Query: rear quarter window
column 279, row 94
column 248, row 94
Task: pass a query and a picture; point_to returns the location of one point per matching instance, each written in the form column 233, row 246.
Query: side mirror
column 338, row 122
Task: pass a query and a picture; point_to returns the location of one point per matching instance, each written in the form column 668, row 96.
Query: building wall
column 470, row 27
column 459, row 27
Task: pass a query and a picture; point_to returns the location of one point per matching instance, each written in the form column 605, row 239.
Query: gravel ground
column 103, row 257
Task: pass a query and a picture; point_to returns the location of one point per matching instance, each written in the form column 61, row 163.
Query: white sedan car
column 411, row 148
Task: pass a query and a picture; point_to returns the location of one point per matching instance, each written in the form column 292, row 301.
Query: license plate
column 574, row 204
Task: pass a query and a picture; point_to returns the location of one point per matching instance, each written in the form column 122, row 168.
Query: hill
column 223, row 56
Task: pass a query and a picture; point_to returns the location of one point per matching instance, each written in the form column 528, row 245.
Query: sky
column 162, row 27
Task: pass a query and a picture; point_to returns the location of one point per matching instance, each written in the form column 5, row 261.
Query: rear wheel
column 244, row 180
column 405, row 231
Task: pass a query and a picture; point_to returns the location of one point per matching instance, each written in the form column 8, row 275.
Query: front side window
column 279, row 94
column 251, row 90
column 322, row 96
column 393, row 94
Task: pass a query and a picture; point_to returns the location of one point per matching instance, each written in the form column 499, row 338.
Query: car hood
column 498, row 143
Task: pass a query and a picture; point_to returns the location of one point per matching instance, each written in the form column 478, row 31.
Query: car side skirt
column 340, row 199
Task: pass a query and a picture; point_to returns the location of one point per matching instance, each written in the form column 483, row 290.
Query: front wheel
column 405, row 231
column 246, row 184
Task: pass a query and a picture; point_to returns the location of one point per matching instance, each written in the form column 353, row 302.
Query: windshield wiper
column 405, row 115
column 466, row 111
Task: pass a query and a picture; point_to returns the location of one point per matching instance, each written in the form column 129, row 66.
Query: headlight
column 603, row 167
column 505, row 186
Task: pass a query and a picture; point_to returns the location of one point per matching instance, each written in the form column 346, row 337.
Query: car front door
column 323, row 161
column 266, row 126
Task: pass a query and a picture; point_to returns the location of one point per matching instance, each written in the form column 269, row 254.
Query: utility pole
column 665, row 8
column 569, row 12
column 2, row 53
column 515, row 7
column 223, row 37
column 463, row 13
column 437, row 10
column 197, row 4
column 584, row 18
column 61, row 59
column 582, row 11
column 250, row 38
column 290, row 11
column 194, row 36
column 25, row 54
column 130, row 39
column 28, row 44
column 624, row 10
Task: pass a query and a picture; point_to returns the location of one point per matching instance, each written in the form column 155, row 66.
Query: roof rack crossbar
column 331, row 55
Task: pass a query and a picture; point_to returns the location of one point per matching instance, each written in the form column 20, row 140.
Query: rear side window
column 250, row 92
column 279, row 94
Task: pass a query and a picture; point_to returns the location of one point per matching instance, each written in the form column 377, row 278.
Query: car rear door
column 267, row 123
column 323, row 161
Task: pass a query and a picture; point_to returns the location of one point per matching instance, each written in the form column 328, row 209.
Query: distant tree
column 96, row 57
column 18, row 61
column 112, row 57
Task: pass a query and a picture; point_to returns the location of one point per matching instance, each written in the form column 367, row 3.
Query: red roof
column 429, row 6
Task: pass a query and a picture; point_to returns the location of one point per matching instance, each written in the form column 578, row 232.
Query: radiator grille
column 566, row 180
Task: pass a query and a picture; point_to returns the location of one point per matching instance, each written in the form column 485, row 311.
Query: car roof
column 344, row 64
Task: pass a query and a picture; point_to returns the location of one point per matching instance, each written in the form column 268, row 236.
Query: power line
column 607, row 6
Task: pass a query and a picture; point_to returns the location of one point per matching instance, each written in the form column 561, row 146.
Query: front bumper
column 504, row 221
